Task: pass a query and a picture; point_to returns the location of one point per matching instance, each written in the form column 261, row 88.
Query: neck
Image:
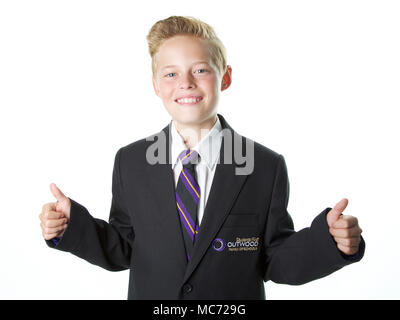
column 192, row 133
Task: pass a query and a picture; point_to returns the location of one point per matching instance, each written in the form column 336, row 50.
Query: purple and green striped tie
column 187, row 199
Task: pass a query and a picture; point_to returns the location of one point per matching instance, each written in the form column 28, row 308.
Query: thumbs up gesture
column 344, row 228
column 54, row 217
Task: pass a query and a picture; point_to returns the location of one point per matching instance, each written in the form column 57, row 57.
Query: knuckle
column 46, row 207
column 347, row 250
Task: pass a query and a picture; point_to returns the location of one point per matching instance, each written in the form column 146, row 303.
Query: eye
column 202, row 70
column 170, row 75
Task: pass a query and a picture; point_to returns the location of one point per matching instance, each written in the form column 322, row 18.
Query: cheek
column 214, row 91
column 210, row 86
column 166, row 90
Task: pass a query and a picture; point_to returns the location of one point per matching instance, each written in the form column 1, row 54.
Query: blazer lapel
column 161, row 181
column 224, row 190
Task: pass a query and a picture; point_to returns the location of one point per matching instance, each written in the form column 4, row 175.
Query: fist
column 344, row 228
column 54, row 217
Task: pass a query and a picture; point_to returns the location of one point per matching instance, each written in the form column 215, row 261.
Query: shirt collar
column 208, row 147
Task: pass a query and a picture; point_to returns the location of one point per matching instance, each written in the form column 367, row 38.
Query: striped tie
column 187, row 199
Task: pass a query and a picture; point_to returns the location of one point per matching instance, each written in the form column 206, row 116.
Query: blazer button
column 187, row 288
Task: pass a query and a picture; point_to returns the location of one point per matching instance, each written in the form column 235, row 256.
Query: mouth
column 189, row 101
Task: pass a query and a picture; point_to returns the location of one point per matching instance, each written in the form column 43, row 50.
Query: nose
column 187, row 81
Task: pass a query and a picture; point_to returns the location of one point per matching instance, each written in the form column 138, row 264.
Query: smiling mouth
column 189, row 101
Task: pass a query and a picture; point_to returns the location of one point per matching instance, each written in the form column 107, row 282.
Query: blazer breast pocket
column 241, row 220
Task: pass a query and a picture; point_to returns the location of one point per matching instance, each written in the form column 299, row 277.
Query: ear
column 155, row 86
column 226, row 79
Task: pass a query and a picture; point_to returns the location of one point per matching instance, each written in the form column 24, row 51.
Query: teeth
column 188, row 100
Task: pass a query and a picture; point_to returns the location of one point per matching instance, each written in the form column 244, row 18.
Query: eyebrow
column 173, row 65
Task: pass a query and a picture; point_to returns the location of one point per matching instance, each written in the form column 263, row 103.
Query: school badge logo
column 218, row 244
column 240, row 244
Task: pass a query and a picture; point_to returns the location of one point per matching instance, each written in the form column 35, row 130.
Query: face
column 187, row 81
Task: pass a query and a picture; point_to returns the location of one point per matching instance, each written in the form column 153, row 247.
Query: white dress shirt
column 208, row 148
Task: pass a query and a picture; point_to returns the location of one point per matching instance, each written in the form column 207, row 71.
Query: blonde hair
column 179, row 25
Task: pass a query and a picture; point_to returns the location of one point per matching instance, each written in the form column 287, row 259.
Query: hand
column 55, row 216
column 344, row 228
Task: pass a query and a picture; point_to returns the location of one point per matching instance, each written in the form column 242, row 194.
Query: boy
column 184, row 219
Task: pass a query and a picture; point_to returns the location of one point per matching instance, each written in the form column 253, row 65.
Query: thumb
column 57, row 192
column 334, row 214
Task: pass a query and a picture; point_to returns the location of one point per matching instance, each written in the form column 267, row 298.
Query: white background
column 317, row 81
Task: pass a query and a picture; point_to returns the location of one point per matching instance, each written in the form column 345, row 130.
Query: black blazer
column 246, row 236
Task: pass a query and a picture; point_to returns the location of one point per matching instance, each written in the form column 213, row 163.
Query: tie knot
column 189, row 157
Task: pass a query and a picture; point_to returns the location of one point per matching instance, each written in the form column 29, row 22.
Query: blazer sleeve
column 298, row 257
column 106, row 244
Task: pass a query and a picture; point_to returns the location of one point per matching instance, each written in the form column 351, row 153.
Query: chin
column 189, row 116
column 194, row 118
column 188, row 120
